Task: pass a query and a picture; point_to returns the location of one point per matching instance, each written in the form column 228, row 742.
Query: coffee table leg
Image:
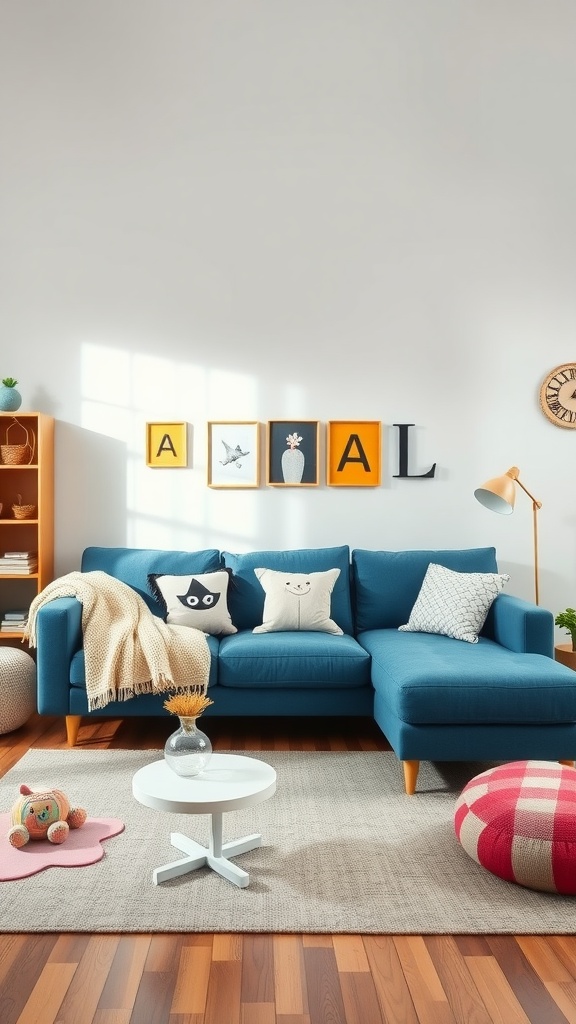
column 218, row 853
column 216, row 856
column 196, row 858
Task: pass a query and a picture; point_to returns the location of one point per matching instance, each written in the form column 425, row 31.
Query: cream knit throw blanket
column 127, row 649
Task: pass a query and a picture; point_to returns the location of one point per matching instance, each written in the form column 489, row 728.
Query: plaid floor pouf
column 519, row 821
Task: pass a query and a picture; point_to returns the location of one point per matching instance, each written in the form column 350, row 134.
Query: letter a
column 166, row 446
column 355, row 441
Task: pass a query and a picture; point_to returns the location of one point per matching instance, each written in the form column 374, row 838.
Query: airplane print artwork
column 233, row 454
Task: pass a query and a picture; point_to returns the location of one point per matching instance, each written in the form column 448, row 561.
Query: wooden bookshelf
column 33, row 479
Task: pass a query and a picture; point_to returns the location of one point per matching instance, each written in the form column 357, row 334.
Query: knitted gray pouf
column 18, row 688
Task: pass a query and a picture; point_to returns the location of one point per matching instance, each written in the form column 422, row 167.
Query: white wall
column 213, row 209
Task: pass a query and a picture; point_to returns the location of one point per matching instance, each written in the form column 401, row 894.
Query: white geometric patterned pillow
column 454, row 603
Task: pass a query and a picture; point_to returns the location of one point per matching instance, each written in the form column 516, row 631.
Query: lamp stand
column 536, row 506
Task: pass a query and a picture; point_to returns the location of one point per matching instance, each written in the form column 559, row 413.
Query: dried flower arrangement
column 187, row 705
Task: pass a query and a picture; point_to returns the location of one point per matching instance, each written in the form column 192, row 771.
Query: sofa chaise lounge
column 434, row 697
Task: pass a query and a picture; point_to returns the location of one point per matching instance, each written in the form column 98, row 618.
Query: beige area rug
column 344, row 850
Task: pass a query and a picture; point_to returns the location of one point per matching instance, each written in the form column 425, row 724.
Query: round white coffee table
column 228, row 783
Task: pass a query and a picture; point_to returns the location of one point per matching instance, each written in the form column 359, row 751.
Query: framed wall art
column 292, row 453
column 166, row 445
column 233, row 453
column 354, row 453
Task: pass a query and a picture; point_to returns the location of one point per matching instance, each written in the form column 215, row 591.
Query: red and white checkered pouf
column 519, row 821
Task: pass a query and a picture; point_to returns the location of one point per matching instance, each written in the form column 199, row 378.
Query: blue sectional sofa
column 434, row 697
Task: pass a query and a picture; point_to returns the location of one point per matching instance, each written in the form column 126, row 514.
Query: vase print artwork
column 293, row 460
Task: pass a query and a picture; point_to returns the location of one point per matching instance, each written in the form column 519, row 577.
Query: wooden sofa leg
column 570, row 764
column 410, row 776
column 72, row 727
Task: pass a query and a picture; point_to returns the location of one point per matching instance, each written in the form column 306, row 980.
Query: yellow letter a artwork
column 166, row 445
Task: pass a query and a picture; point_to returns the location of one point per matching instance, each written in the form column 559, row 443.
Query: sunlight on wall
column 168, row 508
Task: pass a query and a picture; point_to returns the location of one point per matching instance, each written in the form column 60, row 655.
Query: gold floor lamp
column 499, row 495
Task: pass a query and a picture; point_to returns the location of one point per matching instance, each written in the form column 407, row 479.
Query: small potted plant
column 566, row 653
column 10, row 399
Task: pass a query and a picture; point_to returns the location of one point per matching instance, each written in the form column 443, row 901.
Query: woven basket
column 23, row 511
column 18, row 454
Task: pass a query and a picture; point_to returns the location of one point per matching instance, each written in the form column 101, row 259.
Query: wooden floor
column 273, row 979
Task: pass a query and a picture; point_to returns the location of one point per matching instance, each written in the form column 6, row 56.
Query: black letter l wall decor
column 403, row 455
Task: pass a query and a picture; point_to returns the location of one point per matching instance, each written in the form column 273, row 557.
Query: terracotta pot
column 565, row 654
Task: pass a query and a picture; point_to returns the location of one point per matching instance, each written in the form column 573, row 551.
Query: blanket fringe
column 99, row 701
column 164, row 685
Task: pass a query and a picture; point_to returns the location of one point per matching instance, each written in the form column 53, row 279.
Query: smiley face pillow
column 297, row 601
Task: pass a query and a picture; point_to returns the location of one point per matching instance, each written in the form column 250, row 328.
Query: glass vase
column 188, row 750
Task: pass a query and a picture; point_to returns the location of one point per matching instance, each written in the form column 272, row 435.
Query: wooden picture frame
column 292, row 457
column 233, row 453
column 167, row 445
column 354, row 453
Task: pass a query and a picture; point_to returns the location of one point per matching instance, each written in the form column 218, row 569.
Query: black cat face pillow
column 199, row 601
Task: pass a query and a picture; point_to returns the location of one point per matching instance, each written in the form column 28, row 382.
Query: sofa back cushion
column 246, row 594
column 387, row 583
column 133, row 565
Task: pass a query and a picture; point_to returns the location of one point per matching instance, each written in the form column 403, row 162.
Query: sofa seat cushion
column 426, row 679
column 292, row 659
column 78, row 669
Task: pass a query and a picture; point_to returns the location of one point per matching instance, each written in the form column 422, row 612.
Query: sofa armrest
column 58, row 638
column 521, row 626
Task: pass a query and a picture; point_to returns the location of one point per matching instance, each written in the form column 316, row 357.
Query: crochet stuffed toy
column 43, row 814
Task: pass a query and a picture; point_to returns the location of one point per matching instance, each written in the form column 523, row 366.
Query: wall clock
column 558, row 395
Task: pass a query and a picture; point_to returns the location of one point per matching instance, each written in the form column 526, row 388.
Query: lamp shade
column 499, row 494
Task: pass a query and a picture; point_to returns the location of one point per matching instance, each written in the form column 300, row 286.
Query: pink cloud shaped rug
column 83, row 846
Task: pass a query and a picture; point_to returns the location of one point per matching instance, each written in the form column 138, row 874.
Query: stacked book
column 14, row 622
column 18, row 563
